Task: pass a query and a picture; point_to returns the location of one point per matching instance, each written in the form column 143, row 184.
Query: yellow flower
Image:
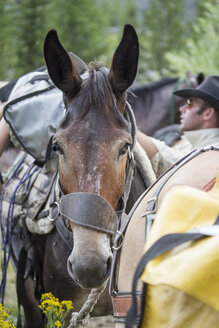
column 4, row 322
column 58, row 324
column 54, row 310
column 67, row 305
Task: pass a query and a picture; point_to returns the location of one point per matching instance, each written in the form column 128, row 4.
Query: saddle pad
column 184, row 282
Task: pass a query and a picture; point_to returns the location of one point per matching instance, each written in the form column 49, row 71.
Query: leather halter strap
column 90, row 211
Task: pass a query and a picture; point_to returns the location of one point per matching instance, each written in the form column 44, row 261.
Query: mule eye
column 124, row 149
column 57, row 148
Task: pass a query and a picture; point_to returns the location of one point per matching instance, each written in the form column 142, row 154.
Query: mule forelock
column 96, row 92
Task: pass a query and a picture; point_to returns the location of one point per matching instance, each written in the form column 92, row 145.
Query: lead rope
column 81, row 318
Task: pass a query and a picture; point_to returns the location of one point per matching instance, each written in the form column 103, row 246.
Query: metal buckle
column 121, row 235
column 155, row 207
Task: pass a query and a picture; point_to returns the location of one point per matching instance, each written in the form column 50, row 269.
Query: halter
column 79, row 207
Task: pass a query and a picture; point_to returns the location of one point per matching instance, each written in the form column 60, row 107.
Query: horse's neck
column 152, row 106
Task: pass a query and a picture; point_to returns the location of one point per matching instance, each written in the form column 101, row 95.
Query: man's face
column 190, row 119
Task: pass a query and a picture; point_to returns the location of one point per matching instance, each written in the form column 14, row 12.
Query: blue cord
column 6, row 228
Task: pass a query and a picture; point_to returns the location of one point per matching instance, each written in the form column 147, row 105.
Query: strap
column 130, row 166
column 54, row 215
column 79, row 208
column 151, row 210
column 40, row 77
column 65, row 234
column 121, row 304
column 161, row 246
column 20, row 286
column 117, row 245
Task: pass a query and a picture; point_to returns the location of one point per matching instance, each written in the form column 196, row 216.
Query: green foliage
column 200, row 53
column 21, row 32
column 116, row 15
column 5, row 39
column 163, row 30
column 28, row 20
column 169, row 44
column 81, row 25
column 89, row 28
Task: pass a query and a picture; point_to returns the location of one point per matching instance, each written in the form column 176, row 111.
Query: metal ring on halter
column 121, row 235
column 50, row 217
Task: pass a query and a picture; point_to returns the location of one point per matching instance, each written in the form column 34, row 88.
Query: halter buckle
column 121, row 235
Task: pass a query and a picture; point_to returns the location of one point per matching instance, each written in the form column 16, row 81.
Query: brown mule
column 94, row 143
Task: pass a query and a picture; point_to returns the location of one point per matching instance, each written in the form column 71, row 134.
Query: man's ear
column 209, row 113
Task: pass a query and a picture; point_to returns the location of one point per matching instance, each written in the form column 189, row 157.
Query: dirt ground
column 104, row 322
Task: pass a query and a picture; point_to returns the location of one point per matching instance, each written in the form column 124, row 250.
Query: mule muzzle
column 90, row 261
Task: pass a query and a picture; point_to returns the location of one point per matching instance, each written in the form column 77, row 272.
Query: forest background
column 175, row 36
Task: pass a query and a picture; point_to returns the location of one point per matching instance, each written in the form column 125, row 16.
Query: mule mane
column 96, row 91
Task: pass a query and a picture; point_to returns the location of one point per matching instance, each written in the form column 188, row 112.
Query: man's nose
column 183, row 108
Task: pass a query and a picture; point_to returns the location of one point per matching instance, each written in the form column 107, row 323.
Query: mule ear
column 79, row 63
column 60, row 66
column 200, row 78
column 125, row 61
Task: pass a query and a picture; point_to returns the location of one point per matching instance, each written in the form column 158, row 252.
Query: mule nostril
column 70, row 270
column 108, row 265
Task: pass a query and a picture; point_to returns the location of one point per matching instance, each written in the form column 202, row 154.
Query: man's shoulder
column 183, row 145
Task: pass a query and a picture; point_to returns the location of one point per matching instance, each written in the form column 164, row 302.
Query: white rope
column 81, row 318
column 144, row 164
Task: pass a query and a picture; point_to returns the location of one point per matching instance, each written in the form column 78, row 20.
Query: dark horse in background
column 155, row 106
column 94, row 145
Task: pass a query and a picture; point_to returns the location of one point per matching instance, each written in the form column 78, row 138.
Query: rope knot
column 81, row 318
column 76, row 321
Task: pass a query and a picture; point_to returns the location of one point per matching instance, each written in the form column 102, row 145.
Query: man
column 199, row 123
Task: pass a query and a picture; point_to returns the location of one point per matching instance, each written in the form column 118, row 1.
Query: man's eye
column 189, row 103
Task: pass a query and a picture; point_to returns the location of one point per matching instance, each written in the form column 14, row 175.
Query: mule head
column 93, row 142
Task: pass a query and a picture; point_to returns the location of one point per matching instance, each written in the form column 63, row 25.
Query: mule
column 155, row 106
column 94, row 144
column 199, row 170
